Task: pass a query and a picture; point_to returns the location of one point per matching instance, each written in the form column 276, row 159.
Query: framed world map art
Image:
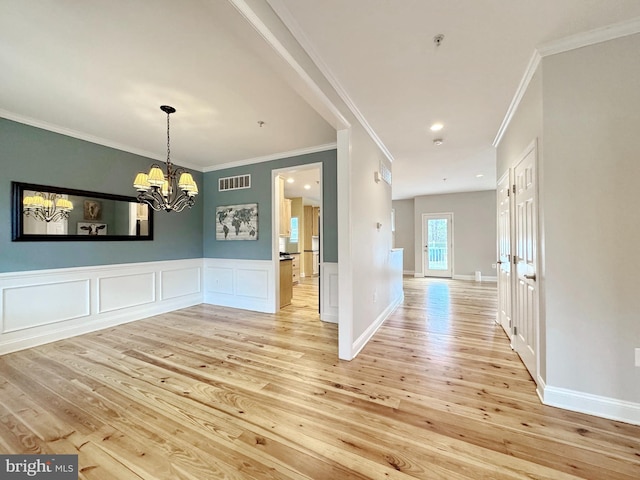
column 237, row 222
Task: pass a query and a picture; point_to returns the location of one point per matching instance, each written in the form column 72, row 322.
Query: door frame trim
column 508, row 177
column 275, row 224
column 531, row 147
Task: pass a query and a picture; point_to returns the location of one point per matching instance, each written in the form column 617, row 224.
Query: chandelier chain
column 168, row 141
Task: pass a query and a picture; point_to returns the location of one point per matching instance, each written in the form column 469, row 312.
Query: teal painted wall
column 260, row 193
column 33, row 155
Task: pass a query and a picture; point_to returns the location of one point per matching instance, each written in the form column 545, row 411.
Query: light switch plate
column 637, row 357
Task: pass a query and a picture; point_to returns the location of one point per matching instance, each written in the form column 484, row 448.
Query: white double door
column 517, row 257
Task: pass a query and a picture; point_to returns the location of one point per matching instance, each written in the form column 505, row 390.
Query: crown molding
column 89, row 138
column 143, row 153
column 517, row 98
column 584, row 39
column 295, row 29
column 591, row 37
column 275, row 156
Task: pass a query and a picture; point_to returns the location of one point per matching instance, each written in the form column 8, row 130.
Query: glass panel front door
column 437, row 245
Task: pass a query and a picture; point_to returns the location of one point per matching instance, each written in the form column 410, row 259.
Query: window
column 294, row 230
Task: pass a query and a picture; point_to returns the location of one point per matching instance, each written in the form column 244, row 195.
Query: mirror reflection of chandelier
column 171, row 191
column 47, row 207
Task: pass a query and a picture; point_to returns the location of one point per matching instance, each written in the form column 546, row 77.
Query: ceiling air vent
column 234, row 183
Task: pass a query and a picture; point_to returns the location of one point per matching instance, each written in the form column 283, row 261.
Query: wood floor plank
column 213, row 392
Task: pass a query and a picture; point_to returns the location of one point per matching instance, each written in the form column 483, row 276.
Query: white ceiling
column 382, row 54
column 100, row 69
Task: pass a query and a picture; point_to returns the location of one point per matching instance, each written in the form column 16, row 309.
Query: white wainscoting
column 329, row 292
column 43, row 306
column 246, row 284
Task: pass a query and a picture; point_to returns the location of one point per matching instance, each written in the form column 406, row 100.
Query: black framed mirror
column 46, row 213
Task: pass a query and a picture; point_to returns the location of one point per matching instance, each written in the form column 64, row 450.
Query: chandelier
column 171, row 191
column 47, row 207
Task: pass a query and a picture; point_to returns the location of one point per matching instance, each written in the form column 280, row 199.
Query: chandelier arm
column 180, row 202
column 151, row 200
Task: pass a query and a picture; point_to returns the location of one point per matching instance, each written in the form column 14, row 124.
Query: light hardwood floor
column 211, row 393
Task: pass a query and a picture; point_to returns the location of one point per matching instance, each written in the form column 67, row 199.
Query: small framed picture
column 93, row 229
column 92, row 210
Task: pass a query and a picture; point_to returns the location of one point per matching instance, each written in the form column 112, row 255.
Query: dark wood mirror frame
column 18, row 217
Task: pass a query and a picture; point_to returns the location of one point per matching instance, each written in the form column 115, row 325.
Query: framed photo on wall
column 237, row 222
column 88, row 228
column 92, row 210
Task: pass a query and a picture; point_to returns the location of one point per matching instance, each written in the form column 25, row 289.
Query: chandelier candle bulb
column 186, row 182
column 156, row 176
column 141, row 183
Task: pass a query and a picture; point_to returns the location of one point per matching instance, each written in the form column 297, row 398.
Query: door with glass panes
column 437, row 245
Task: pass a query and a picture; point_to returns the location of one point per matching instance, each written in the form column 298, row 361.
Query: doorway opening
column 297, row 235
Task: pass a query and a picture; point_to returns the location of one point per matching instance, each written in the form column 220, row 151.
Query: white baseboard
column 590, row 404
column 418, row 275
column 485, row 278
column 244, row 284
column 409, row 273
column 362, row 340
column 38, row 307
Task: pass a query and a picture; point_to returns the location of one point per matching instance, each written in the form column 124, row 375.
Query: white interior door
column 525, row 334
column 504, row 254
column 437, row 239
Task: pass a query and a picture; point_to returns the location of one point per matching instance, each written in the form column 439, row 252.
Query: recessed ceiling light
column 290, row 180
column 436, row 127
column 307, row 187
column 480, row 175
column 437, row 142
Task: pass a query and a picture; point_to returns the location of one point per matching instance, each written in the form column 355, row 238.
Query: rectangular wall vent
column 234, row 183
column 385, row 173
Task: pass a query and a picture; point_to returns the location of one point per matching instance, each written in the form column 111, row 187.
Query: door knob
column 531, row 277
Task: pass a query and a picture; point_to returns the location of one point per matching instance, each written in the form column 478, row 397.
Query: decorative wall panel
column 29, row 306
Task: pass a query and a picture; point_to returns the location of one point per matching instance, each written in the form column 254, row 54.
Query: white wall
column 474, row 230
column 371, row 247
column 404, row 236
column 591, row 118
